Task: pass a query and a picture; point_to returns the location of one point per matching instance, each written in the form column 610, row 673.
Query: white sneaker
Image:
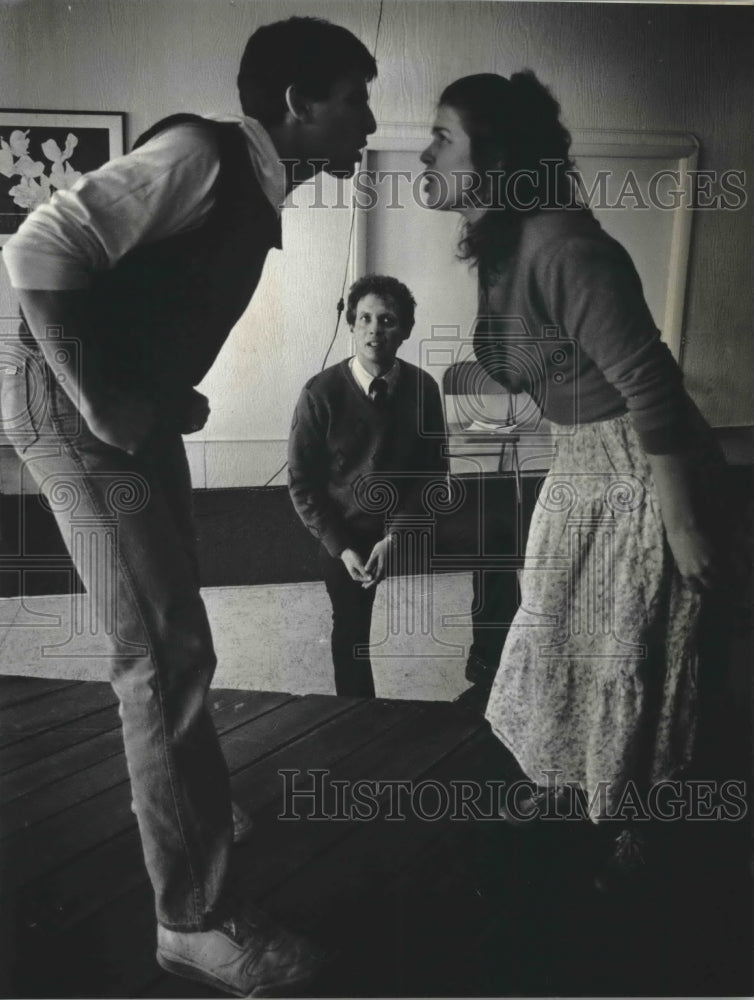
column 249, row 956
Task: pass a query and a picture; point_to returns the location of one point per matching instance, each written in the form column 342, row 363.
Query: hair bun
column 530, row 93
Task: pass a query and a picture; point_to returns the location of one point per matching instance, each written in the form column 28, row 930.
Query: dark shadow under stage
column 413, row 905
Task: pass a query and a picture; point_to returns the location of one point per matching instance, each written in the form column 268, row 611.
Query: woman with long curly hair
column 597, row 686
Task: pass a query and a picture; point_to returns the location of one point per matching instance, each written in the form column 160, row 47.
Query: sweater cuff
column 335, row 540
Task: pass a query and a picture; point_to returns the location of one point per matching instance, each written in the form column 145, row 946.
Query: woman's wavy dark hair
column 515, row 132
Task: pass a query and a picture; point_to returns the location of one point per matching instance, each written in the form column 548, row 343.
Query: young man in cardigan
column 145, row 265
column 371, row 426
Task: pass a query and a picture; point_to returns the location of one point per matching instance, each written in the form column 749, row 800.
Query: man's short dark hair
column 387, row 288
column 307, row 52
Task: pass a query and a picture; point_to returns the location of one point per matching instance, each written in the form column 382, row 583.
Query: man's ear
column 299, row 107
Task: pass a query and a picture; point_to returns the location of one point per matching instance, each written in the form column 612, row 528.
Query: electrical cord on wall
column 341, row 301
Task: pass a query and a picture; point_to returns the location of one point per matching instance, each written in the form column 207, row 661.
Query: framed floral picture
column 45, row 151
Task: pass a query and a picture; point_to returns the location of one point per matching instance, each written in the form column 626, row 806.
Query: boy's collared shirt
column 364, row 378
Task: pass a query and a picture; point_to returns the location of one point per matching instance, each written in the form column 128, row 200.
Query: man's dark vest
column 164, row 311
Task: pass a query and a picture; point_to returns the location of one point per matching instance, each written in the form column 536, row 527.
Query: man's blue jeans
column 128, row 524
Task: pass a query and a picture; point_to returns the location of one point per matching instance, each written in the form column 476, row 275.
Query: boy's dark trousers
column 495, row 599
column 351, row 622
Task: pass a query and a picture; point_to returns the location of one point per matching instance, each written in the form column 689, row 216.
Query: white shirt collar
column 264, row 157
column 365, row 378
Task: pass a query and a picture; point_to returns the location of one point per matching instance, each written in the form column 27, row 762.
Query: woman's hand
column 694, row 556
column 692, row 550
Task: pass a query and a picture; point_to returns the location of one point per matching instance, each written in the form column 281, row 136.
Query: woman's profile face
column 449, row 175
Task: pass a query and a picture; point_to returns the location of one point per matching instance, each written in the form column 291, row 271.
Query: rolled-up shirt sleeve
column 594, row 290
column 161, row 189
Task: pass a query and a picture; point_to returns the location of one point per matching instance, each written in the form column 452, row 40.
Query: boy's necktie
column 378, row 392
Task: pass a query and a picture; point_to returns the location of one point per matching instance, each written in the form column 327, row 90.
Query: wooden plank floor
column 413, row 907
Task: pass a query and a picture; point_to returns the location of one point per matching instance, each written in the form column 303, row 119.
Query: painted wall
column 667, row 68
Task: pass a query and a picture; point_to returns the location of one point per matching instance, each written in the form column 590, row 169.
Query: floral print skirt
column 597, row 680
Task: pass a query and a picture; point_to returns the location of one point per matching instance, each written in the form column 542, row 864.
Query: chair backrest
column 468, row 378
column 466, row 388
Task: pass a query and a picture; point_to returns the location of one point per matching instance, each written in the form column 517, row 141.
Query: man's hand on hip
column 194, row 413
